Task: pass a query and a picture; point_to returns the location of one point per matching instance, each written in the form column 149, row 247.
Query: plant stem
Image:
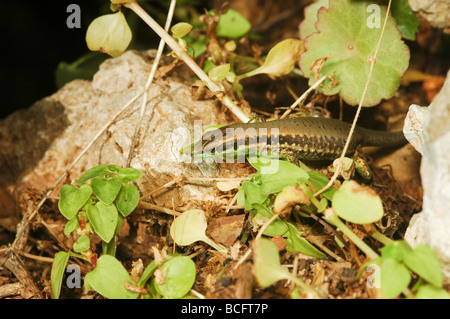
column 179, row 51
column 379, row 236
column 331, row 217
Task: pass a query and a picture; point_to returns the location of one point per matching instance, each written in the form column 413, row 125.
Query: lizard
column 298, row 138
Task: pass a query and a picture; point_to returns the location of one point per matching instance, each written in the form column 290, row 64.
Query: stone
column 39, row 143
column 436, row 12
column 432, row 226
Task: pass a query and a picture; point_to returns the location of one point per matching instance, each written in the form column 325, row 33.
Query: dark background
column 35, row 38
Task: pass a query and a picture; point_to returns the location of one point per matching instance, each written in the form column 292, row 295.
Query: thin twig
column 304, row 95
column 182, row 54
column 372, row 61
column 150, row 80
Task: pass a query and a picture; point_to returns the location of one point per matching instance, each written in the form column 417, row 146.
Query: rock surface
column 38, row 144
column 436, row 12
column 433, row 224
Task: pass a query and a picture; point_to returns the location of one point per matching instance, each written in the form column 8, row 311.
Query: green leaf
column 280, row 60
column 396, row 250
column 395, row 278
column 180, row 29
column 179, row 277
column 71, row 225
column 57, row 273
column 431, row 292
column 407, row 22
column 233, row 25
column 307, row 26
column 357, row 204
column 96, row 171
column 297, row 243
column 266, row 263
column 82, row 244
column 109, row 278
column 71, row 199
column 347, row 34
column 281, row 174
column 424, row 262
column 129, row 174
column 109, row 33
column 104, row 220
column 251, row 193
column 106, row 189
column 190, row 227
column 127, row 200
column 263, row 214
column 219, row 73
column 319, row 181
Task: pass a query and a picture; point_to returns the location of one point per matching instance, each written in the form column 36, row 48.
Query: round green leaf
column 232, row 24
column 71, row 199
column 82, row 244
column 348, row 33
column 394, row 278
column 57, row 273
column 109, row 278
column 357, row 204
column 219, row 73
column 179, row 277
column 104, row 220
column 127, row 200
column 109, row 33
column 106, row 189
column 432, row 292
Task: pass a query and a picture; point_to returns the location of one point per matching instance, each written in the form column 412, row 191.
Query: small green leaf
column 283, row 174
column 407, row 21
column 109, row 278
column 71, row 225
column 104, row 220
column 266, row 263
column 179, row 277
column 280, row 60
column 297, row 243
column 109, row 33
column 129, row 174
column 180, row 29
column 276, row 227
column 424, row 262
column 432, row 292
column 96, row 171
column 57, row 273
column 106, row 189
column 114, row 168
column 319, row 181
column 357, row 204
column 71, row 199
column 82, row 244
column 190, row 227
column 251, row 193
column 395, row 278
column 233, row 25
column 219, row 73
column 127, row 200
column 396, row 250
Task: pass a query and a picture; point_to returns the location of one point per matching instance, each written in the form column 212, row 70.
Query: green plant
column 396, row 263
column 97, row 208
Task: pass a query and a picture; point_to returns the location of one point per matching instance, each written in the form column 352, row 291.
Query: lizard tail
column 385, row 139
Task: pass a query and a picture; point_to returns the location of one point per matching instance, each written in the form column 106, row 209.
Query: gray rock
column 432, row 226
column 38, row 144
column 436, row 12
